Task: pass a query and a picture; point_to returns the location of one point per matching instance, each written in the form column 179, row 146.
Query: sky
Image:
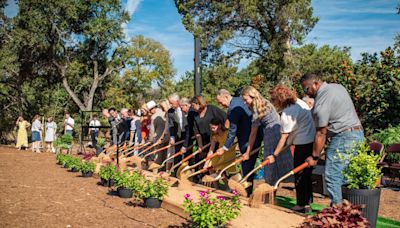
column 363, row 25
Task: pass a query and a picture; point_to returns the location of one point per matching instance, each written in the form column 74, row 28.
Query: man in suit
column 188, row 124
column 175, row 123
column 240, row 119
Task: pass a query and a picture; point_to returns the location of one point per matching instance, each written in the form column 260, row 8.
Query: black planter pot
column 152, row 203
column 107, row 183
column 98, row 151
column 74, row 170
column 65, row 166
column 87, row 174
column 370, row 198
column 125, row 193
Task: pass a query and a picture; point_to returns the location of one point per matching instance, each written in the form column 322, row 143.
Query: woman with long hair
column 297, row 129
column 22, row 135
column 265, row 115
column 51, row 129
column 36, row 134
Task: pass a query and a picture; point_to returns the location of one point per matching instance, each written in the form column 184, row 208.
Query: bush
column 87, row 167
column 362, row 171
column 101, row 142
column 75, row 163
column 154, row 189
column 211, row 212
column 387, row 137
column 63, row 142
column 66, row 160
column 108, row 172
column 345, row 215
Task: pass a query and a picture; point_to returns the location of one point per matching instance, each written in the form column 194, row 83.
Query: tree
column 148, row 75
column 262, row 29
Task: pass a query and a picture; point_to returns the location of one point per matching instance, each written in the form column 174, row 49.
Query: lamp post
column 197, row 68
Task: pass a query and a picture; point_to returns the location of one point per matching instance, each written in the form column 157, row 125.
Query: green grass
column 288, row 202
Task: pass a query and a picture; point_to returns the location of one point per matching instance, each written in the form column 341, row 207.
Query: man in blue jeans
column 337, row 124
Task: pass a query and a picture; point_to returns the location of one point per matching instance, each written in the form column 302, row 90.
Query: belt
column 355, row 128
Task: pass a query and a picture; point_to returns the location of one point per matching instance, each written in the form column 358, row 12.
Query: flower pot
column 125, row 193
column 107, row 183
column 65, row 166
column 369, row 197
column 87, row 174
column 152, row 202
column 74, row 170
column 98, row 151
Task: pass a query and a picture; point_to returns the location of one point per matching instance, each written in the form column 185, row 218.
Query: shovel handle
column 300, row 167
column 158, row 150
column 265, row 162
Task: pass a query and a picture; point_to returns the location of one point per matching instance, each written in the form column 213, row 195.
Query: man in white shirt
column 69, row 124
column 93, row 130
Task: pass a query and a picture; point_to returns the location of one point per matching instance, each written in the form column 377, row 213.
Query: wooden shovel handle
column 265, row 162
column 158, row 150
column 300, row 167
column 211, row 156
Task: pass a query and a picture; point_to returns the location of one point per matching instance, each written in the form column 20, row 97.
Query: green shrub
column 76, row 163
column 362, row 171
column 387, row 137
column 67, row 160
column 63, row 142
column 108, row 172
column 87, row 166
column 154, row 189
column 101, row 142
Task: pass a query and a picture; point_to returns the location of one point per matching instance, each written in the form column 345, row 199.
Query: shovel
column 236, row 162
column 137, row 147
column 243, row 184
column 173, row 156
column 184, row 161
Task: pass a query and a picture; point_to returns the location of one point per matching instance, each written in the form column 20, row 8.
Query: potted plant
column 212, row 211
column 107, row 174
column 362, row 174
column 123, row 182
column 60, row 158
column 87, row 168
column 101, row 142
column 75, row 164
column 63, row 143
column 66, row 161
column 345, row 215
column 153, row 192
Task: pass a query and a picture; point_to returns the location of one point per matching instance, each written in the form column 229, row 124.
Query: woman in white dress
column 51, row 129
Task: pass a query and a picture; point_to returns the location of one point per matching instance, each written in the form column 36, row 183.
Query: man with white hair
column 240, row 119
column 188, row 123
column 175, row 123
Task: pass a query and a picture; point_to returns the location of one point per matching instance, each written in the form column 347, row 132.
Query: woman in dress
column 51, row 129
column 22, row 135
column 264, row 114
column 36, row 133
column 297, row 129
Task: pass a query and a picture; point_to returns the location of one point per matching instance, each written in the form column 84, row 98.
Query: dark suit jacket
column 188, row 123
column 240, row 119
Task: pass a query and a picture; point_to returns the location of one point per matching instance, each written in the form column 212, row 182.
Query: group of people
column 37, row 128
column 324, row 120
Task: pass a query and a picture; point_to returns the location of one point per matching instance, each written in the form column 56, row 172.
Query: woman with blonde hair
column 297, row 129
column 265, row 116
column 22, row 135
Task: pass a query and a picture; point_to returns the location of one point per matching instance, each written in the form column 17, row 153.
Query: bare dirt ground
column 35, row 192
column 388, row 208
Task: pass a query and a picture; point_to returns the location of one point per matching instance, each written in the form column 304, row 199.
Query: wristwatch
column 315, row 157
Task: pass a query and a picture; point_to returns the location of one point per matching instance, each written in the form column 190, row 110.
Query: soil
column 387, row 208
column 35, row 192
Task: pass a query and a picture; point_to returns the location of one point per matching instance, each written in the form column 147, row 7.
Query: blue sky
column 363, row 25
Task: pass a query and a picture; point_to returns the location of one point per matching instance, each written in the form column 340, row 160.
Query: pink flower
column 187, row 196
column 209, row 202
column 202, row 193
column 234, row 192
column 220, row 197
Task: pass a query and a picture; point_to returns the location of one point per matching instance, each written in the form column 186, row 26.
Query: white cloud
column 131, row 6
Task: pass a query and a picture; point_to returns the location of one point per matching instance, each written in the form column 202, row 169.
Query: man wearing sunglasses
column 337, row 124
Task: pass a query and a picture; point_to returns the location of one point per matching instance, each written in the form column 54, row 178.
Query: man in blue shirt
column 240, row 119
